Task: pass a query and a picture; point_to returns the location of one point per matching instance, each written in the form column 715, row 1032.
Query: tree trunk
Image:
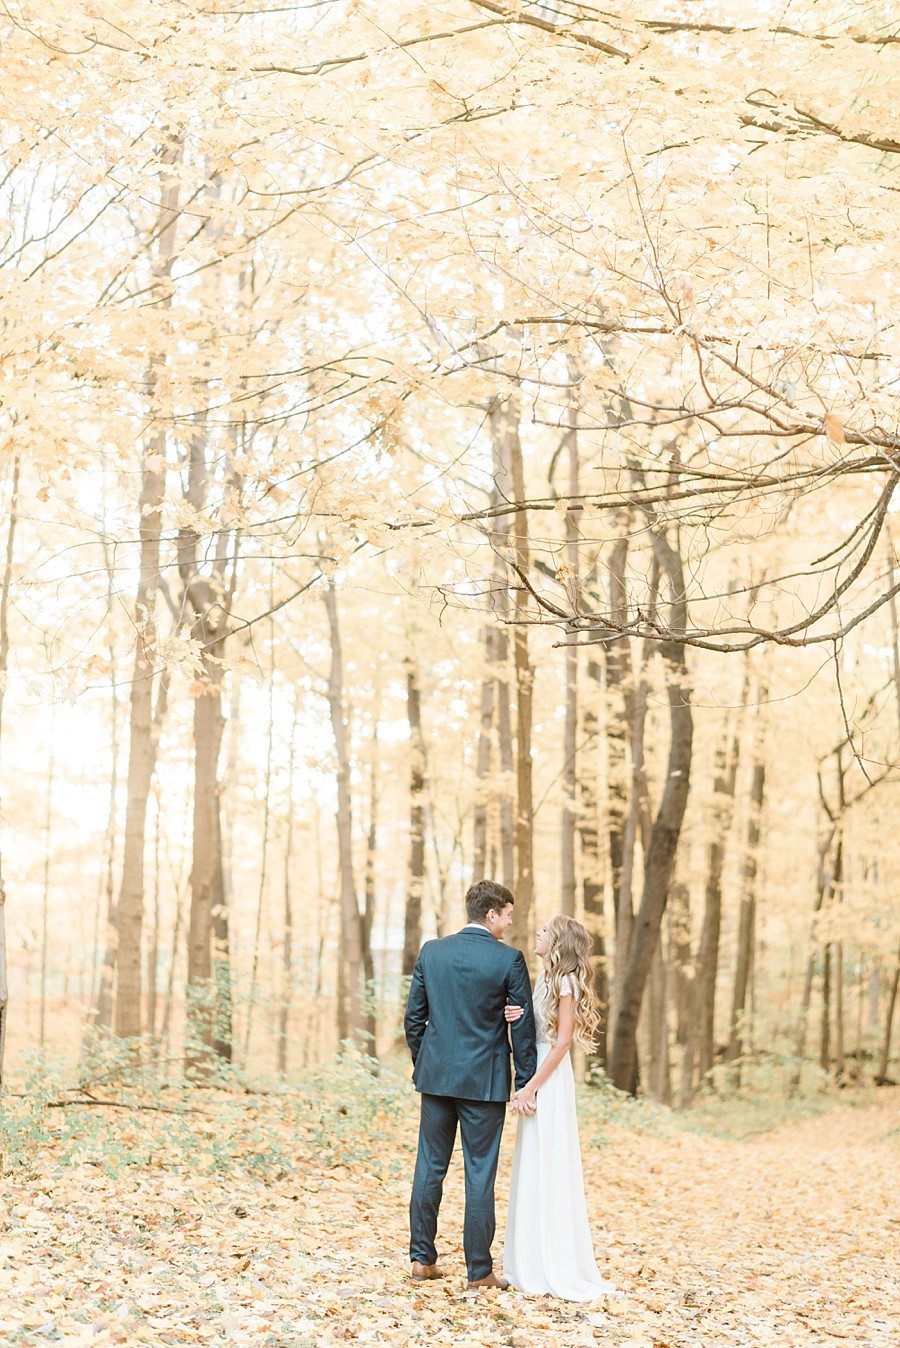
column 368, row 913
column 412, row 929
column 482, row 762
column 142, row 742
column 839, row 1063
column 747, row 918
column 700, row 1047
column 153, row 944
column 568, row 821
column 505, row 449
column 881, row 1077
column 658, row 1028
column 823, row 884
column 287, row 949
column 524, row 887
column 205, row 866
column 351, row 1020
column 264, row 850
column 101, row 1013
column 660, row 859
column 837, row 876
column 591, row 864
column 619, row 703
column 680, row 972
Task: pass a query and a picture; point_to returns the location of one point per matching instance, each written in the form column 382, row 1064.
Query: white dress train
column 548, row 1240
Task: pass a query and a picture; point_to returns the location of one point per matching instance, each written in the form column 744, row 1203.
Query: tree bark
column 206, row 602
column 412, row 927
column 700, row 1047
column 823, row 884
column 591, row 863
column 142, row 741
column 660, row 859
column 619, row 702
column 351, row 1020
column 482, row 763
column 747, row 917
column 287, row 949
column 368, row 912
column 504, row 438
column 524, row 887
column 881, row 1076
column 568, row 820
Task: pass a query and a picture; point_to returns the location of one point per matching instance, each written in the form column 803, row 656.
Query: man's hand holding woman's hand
column 524, row 1101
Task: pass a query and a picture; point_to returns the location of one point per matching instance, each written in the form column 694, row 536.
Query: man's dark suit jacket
column 454, row 1022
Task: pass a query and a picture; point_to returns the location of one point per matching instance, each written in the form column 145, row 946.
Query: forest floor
column 281, row 1220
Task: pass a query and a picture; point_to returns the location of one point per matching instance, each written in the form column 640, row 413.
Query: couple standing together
column 470, row 994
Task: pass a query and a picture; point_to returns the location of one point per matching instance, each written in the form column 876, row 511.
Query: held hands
column 512, row 1013
column 524, row 1102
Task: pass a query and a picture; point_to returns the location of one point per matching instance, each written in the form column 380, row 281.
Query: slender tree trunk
column 658, row 1030
column 700, row 1045
column 680, row 971
column 264, row 857
column 570, row 733
column 839, row 1062
column 881, row 1076
column 591, row 862
column 223, row 1023
column 153, row 947
column 625, row 912
column 368, row 913
column 828, row 965
column 823, row 885
column 825, row 1021
column 142, row 745
column 287, row 950
column 660, row 859
column 102, row 1008
column 206, row 865
column 619, row 701
column 524, row 888
column 507, row 762
column 351, row 1020
column 747, row 917
column 482, row 762
column 412, row 929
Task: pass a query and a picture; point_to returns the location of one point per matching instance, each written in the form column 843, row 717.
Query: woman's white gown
column 548, row 1241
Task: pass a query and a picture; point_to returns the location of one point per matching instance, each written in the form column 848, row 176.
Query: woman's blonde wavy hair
column 569, row 952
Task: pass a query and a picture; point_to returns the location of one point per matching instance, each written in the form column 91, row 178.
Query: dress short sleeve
column 567, row 986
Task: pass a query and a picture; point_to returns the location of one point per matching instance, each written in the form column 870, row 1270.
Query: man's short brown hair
column 485, row 895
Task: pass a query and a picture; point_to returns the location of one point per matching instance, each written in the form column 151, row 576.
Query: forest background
column 440, row 441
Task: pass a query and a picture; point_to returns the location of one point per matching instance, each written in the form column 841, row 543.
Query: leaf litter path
column 789, row 1238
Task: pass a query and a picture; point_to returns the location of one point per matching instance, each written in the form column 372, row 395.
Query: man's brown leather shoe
column 491, row 1283
column 424, row 1272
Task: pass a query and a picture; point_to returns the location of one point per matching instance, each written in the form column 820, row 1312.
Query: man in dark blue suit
column 459, row 1041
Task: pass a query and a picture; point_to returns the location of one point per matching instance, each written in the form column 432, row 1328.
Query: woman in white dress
column 548, row 1240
